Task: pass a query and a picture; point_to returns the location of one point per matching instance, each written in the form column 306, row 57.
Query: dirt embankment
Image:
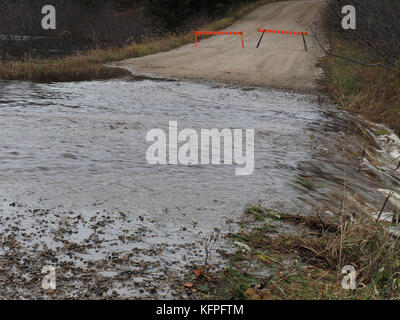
column 279, row 62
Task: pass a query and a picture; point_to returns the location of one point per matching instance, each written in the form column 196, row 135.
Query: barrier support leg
column 258, row 44
column 195, row 39
column 241, row 36
column 305, row 43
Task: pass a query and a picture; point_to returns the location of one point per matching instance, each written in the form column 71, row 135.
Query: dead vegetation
column 308, row 263
column 362, row 68
column 372, row 92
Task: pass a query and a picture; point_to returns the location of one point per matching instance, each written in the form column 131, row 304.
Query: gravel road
column 280, row 61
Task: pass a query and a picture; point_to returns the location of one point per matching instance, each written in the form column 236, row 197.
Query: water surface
column 77, row 152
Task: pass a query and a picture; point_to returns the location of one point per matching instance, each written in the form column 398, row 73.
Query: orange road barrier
column 211, row 33
column 283, row 32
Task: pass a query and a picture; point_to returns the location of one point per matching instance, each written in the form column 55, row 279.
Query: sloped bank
column 282, row 256
column 287, row 256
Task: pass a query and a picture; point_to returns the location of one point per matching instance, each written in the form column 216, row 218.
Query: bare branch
column 314, row 31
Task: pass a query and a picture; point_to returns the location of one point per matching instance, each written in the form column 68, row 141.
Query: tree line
column 377, row 27
column 86, row 24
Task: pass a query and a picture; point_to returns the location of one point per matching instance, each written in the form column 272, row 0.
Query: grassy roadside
column 90, row 65
column 373, row 92
column 284, row 256
column 306, row 260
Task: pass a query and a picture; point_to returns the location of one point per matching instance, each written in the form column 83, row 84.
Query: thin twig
column 362, row 159
column 384, row 205
column 320, row 220
column 329, row 53
column 342, row 226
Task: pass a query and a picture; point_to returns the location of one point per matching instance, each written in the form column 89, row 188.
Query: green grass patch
column 235, row 283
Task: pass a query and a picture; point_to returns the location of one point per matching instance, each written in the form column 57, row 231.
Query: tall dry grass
column 308, row 264
column 373, row 92
column 367, row 245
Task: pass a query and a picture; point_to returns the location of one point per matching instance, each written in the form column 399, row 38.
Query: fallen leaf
column 252, row 295
column 242, row 245
column 198, row 272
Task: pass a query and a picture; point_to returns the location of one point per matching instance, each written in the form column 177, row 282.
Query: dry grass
column 76, row 68
column 370, row 248
column 371, row 91
column 90, row 65
column 308, row 265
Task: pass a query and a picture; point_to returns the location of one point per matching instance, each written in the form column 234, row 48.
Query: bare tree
column 378, row 26
column 315, row 31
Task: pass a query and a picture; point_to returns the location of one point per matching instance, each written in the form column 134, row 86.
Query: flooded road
column 77, row 192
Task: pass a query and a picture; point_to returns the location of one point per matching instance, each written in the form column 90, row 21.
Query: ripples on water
column 76, row 145
column 87, row 141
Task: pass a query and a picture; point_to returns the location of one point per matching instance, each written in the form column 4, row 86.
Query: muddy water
column 77, row 193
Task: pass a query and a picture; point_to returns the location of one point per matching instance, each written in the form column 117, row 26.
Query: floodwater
column 77, row 192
